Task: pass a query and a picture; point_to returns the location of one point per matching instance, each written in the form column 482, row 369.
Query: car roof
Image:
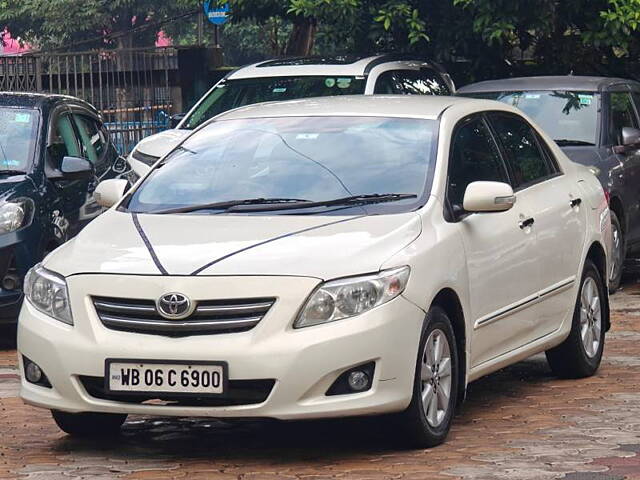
column 564, row 82
column 346, row 65
column 403, row 106
column 34, row 100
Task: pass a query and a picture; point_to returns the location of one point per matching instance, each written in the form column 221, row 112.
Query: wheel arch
column 597, row 255
column 448, row 300
column 615, row 204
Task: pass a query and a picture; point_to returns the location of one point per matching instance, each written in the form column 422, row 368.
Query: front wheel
column 427, row 420
column 89, row 424
column 580, row 354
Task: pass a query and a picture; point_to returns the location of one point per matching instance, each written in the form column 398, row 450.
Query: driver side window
column 64, row 142
column 622, row 114
column 474, row 157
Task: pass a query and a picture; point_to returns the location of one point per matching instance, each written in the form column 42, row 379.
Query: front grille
column 209, row 316
column 239, row 392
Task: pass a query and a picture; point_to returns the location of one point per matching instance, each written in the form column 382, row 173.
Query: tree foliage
column 493, row 37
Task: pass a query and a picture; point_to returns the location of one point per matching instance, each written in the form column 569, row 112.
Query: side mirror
column 488, row 197
column 174, row 120
column 109, row 192
column 630, row 136
column 75, row 168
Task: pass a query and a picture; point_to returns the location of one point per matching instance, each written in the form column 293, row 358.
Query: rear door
column 503, row 275
column 557, row 213
column 95, row 147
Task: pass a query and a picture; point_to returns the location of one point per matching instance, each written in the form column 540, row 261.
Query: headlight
column 47, row 291
column 349, row 297
column 15, row 214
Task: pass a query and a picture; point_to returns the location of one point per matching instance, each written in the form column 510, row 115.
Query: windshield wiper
column 228, row 204
column 564, row 142
column 352, row 200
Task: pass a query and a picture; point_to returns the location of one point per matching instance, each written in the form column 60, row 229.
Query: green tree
column 54, row 23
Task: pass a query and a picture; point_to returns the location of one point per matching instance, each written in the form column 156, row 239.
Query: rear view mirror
column 488, row 197
column 109, row 192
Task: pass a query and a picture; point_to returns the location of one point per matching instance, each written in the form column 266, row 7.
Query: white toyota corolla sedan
column 323, row 258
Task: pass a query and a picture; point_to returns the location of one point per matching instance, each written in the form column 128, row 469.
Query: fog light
column 358, row 380
column 354, row 380
column 34, row 374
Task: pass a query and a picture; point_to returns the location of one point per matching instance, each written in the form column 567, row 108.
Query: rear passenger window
column 526, row 161
column 411, row 82
column 474, row 157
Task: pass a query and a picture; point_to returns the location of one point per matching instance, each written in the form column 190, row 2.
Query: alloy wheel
column 590, row 317
column 435, row 375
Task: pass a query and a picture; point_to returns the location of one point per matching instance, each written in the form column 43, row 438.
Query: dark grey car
column 595, row 121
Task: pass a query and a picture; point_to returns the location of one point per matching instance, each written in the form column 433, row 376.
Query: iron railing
column 131, row 88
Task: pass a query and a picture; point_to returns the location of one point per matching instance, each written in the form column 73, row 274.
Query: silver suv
column 292, row 78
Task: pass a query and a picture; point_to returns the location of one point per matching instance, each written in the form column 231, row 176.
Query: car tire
column 426, row 423
column 580, row 354
column 89, row 424
column 618, row 253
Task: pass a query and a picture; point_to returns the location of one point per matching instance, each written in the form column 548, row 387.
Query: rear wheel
column 427, row 420
column 617, row 253
column 580, row 354
column 89, row 424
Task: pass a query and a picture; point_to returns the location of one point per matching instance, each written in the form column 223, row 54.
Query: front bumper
column 302, row 364
column 18, row 253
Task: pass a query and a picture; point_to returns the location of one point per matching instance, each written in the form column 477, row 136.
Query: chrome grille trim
column 209, row 317
column 212, row 325
column 125, row 307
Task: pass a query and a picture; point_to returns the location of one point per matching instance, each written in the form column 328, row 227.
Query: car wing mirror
column 73, row 168
column 175, row 119
column 488, row 197
column 109, row 192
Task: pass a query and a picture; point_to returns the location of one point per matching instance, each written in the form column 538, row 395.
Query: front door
column 68, row 196
column 503, row 275
column 557, row 213
column 622, row 113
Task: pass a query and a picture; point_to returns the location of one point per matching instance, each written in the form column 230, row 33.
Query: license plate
column 145, row 376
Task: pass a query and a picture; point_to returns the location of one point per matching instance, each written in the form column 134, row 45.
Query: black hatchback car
column 53, row 150
column 595, row 120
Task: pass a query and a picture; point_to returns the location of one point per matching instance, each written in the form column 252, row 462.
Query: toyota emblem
column 174, row 306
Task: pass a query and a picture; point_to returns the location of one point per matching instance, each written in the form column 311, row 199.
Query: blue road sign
column 216, row 12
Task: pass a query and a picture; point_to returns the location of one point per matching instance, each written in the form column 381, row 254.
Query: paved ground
column 520, row 423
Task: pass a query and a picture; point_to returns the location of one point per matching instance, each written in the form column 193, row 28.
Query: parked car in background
column 595, row 121
column 292, row 78
column 53, row 151
column 329, row 257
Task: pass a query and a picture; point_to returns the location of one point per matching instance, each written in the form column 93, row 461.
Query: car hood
column 313, row 246
column 160, row 144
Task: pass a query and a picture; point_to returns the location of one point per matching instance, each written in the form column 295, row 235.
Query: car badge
column 174, row 306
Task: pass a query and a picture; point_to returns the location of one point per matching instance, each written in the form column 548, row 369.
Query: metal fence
column 130, row 87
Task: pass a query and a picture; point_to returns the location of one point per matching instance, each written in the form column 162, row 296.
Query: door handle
column 527, row 223
column 575, row 202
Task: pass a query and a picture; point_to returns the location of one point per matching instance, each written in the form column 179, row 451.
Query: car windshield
column 570, row 117
column 18, row 134
column 283, row 162
column 237, row 93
